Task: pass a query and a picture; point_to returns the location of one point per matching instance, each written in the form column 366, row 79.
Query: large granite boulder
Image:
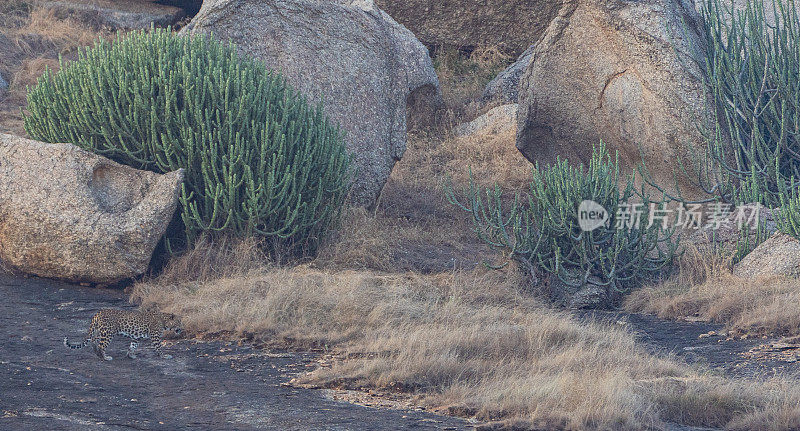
column 370, row 71
column 115, row 14
column 511, row 25
column 623, row 72
column 72, row 215
column 777, row 256
column 504, row 88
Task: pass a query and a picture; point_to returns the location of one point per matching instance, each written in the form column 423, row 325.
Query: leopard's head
column 171, row 322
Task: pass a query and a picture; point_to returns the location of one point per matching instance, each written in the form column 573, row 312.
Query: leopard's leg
column 96, row 349
column 101, row 345
column 132, row 349
column 157, row 347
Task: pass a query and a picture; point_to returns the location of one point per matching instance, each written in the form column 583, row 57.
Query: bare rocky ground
column 707, row 345
column 207, row 385
column 218, row 385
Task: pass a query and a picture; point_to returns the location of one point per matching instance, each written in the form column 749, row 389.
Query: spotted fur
column 136, row 325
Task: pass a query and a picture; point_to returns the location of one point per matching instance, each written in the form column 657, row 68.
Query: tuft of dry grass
column 213, row 259
column 414, row 227
column 463, row 77
column 465, row 342
column 493, row 159
column 64, row 34
column 394, row 244
column 761, row 306
column 415, row 189
column 28, row 72
column 31, row 40
column 704, row 287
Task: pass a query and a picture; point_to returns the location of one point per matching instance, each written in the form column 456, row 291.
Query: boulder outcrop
column 510, row 25
column 72, row 215
column 371, row 73
column 625, row 73
column 779, row 255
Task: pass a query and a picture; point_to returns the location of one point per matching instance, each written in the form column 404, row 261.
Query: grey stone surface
column 496, row 120
column 116, row 14
column 365, row 66
column 511, row 25
column 779, row 255
column 205, row 386
column 504, row 88
column 624, row 73
column 69, row 214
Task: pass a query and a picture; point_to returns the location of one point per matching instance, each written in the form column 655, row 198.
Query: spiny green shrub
column 258, row 159
column 542, row 231
column 754, row 77
column 787, row 216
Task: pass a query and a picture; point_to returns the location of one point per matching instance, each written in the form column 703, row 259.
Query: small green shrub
column 787, row 216
column 259, row 160
column 542, row 231
column 754, row 77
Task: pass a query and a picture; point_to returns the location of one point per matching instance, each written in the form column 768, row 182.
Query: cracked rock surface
column 622, row 72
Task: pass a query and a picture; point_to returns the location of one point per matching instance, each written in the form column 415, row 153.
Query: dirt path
column 206, row 386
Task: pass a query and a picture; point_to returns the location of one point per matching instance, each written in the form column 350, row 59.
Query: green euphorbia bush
column 753, row 73
column 542, row 229
column 259, row 159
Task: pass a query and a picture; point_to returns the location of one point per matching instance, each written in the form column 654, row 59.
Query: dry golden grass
column 493, row 159
column 762, row 306
column 465, row 342
column 704, row 287
column 37, row 38
column 413, row 216
column 463, row 76
column 65, row 34
column 392, row 244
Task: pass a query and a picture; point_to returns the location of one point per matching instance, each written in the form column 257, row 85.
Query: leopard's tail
column 78, row 345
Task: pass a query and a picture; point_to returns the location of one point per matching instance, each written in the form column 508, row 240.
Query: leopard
column 134, row 324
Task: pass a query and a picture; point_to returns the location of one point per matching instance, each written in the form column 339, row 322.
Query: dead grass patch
column 413, row 217
column 27, row 74
column 463, row 77
column 492, row 158
column 468, row 343
column 704, row 287
column 65, row 34
column 394, row 244
column 762, row 306
column 35, row 38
